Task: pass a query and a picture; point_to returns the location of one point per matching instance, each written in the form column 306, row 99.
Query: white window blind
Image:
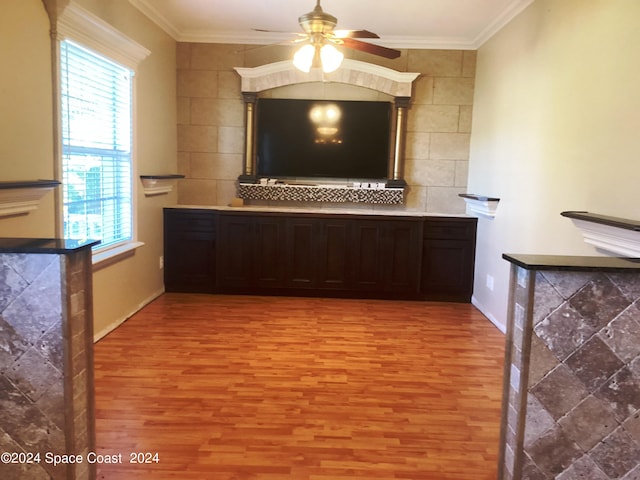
column 96, row 112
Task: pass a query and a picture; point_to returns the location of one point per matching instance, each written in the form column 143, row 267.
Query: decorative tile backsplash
column 575, row 343
column 300, row 193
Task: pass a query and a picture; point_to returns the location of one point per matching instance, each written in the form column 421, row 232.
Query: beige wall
column 26, row 140
column 123, row 287
column 26, row 113
column 211, row 124
column 556, row 114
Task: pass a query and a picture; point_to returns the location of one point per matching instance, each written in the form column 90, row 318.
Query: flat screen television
column 313, row 139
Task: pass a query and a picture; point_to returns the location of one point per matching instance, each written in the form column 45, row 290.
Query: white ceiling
column 446, row 24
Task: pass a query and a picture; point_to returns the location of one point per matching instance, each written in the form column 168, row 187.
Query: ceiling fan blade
column 283, row 43
column 371, row 48
column 354, row 34
column 263, row 30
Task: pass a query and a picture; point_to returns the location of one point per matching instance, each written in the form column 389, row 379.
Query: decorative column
column 54, row 8
column 571, row 399
column 396, row 166
column 46, row 358
column 249, row 161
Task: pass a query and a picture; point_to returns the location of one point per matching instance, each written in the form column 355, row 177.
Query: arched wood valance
column 352, row 72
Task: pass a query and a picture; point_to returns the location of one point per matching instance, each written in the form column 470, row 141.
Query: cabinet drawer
column 192, row 222
column 449, row 230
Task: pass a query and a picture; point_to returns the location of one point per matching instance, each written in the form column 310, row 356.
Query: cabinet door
column 235, row 251
column 189, row 251
column 447, row 268
column 299, row 256
column 448, row 258
column 268, row 242
column 403, row 256
column 332, row 254
column 367, row 252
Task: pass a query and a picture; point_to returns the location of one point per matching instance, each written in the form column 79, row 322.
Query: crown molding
column 81, row 25
column 513, row 10
column 262, row 38
column 156, row 17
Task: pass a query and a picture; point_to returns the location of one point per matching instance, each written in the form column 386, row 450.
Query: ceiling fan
column 320, row 38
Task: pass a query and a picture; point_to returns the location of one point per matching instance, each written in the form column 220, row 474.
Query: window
column 96, row 126
column 96, row 71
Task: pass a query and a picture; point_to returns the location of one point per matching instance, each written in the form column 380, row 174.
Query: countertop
column 322, row 211
column 573, row 263
column 44, row 245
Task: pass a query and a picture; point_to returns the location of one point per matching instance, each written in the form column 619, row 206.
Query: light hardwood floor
column 277, row 388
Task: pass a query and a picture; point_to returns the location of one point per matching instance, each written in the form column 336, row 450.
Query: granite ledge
column 479, row 198
column 44, row 245
column 603, row 220
column 29, row 184
column 171, row 176
column 573, row 263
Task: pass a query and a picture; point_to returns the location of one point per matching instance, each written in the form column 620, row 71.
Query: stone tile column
column 46, row 357
column 571, row 400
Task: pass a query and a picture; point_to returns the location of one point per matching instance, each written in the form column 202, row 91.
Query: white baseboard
column 110, row 328
column 499, row 325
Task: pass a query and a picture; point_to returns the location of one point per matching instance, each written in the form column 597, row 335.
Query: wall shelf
column 158, row 184
column 480, row 205
column 615, row 235
column 22, row 197
column 321, row 193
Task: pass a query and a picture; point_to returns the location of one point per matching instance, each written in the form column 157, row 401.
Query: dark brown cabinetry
column 302, row 248
column 312, row 254
column 250, row 250
column 317, row 253
column 235, row 267
column 189, row 250
column 385, row 255
column 448, row 256
column 332, row 254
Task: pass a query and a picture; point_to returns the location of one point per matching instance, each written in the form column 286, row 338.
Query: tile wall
column 572, row 409
column 211, row 120
column 46, row 378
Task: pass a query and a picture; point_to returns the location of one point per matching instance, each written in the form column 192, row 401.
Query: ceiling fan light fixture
column 320, row 38
column 328, row 57
column 331, row 58
column 303, row 58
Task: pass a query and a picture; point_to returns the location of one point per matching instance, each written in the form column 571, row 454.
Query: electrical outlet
column 161, row 262
column 490, row 282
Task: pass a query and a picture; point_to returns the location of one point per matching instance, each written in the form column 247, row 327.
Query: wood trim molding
column 158, row 184
column 480, row 205
column 613, row 235
column 77, row 23
column 352, row 72
column 18, row 198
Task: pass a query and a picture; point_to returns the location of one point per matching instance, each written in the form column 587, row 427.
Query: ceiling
column 443, row 24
